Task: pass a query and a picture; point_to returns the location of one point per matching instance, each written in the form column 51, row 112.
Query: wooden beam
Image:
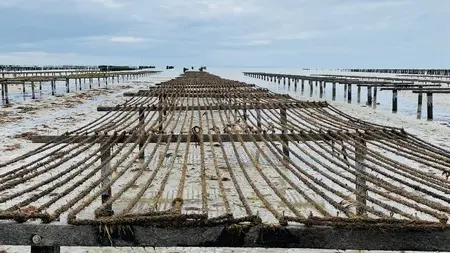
column 215, row 138
column 444, row 90
column 203, row 94
column 318, row 237
column 216, row 107
column 415, row 88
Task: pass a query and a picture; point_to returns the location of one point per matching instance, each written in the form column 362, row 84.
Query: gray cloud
column 249, row 32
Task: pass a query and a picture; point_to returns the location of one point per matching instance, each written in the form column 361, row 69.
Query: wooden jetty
column 442, row 72
column 33, row 81
column 372, row 84
column 240, row 167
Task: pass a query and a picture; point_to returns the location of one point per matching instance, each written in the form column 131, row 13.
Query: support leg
column 320, row 90
column 105, row 154
column 361, row 187
column 359, row 94
column 419, row 104
column 429, row 106
column 349, row 93
column 369, row 95
column 333, row 91
column 67, row 85
column 141, row 125
column 394, row 101
column 33, row 95
column 6, row 94
column 283, row 116
column 375, row 92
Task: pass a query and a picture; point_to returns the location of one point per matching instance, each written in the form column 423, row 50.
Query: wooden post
column 361, row 187
column 45, row 249
column 258, row 118
column 162, row 112
column 429, row 106
column 141, row 126
column 98, row 81
column 394, row 101
column 310, row 88
column 369, row 95
column 6, row 94
column 349, row 93
column 53, row 87
column 106, row 80
column 303, row 86
column 104, row 155
column 419, row 104
column 33, row 96
column 333, row 91
column 79, row 80
column 283, row 117
column 67, row 85
column 3, row 91
column 320, row 90
column 359, row 95
column 375, row 92
column 23, row 88
column 345, row 91
column 244, row 111
column 40, row 87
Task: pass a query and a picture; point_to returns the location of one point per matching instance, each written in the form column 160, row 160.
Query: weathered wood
column 33, row 96
column 369, row 95
column 394, row 100
column 375, row 96
column 361, row 187
column 419, row 104
column 67, row 85
column 141, row 126
column 283, row 122
column 6, row 94
column 221, row 236
column 104, row 156
column 417, row 88
column 349, row 93
column 204, row 94
column 442, row 90
column 215, row 138
column 238, row 106
column 358, row 94
column 429, row 106
column 333, row 91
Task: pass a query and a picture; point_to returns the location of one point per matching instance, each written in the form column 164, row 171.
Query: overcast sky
column 273, row 33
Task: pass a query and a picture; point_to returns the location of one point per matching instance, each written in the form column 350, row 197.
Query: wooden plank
column 432, row 91
column 215, row 138
column 204, row 94
column 414, row 88
column 322, row 237
column 216, row 107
